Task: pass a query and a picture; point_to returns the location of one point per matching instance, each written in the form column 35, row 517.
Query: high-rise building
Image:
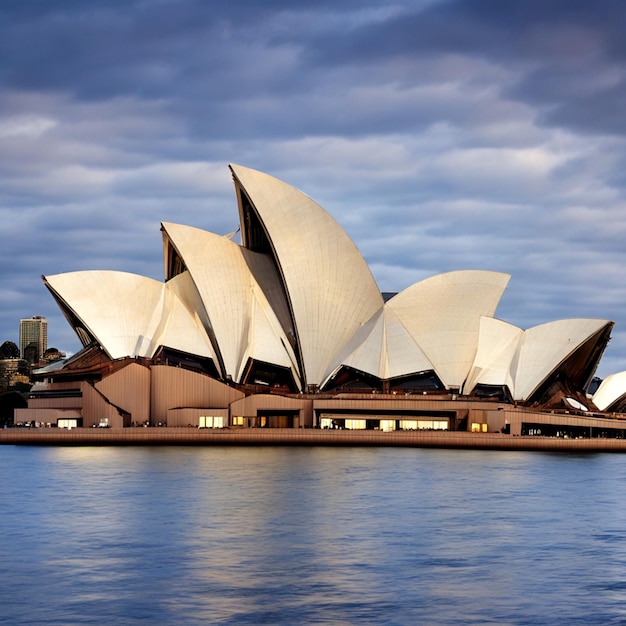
column 33, row 336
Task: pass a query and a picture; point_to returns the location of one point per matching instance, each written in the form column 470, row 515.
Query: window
column 479, row 428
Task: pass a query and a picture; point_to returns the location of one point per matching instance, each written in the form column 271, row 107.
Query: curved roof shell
column 432, row 325
column 241, row 320
column 498, row 344
column 389, row 350
column 330, row 289
column 611, row 390
column 545, row 347
column 129, row 315
column 523, row 360
column 442, row 314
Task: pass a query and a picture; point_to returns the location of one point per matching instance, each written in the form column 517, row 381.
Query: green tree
column 23, row 367
column 8, row 350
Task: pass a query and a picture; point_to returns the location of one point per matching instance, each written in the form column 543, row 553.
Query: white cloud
column 25, row 126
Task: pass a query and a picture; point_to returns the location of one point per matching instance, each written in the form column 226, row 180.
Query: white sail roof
column 544, row 347
column 498, row 344
column 240, row 316
column 130, row 315
column 612, row 388
column 522, row 360
column 442, row 314
column 383, row 347
column 329, row 286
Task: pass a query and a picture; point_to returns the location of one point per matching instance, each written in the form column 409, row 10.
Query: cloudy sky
column 442, row 134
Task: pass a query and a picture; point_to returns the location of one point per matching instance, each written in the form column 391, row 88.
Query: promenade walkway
column 298, row 437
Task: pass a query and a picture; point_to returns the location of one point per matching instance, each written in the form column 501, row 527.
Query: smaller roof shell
column 129, row 315
column 384, row 348
column 443, row 313
column 498, row 343
column 240, row 316
column 543, row 348
column 523, row 360
column 611, row 389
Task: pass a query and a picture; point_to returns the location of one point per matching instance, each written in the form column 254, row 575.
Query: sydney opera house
column 288, row 329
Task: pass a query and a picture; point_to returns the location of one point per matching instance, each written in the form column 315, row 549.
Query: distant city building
column 33, row 338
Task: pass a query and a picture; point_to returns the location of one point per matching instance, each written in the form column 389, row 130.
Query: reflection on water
column 310, row 536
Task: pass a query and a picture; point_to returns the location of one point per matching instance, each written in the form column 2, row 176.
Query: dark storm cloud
column 553, row 32
column 569, row 53
column 106, row 49
column 219, row 66
column 222, row 55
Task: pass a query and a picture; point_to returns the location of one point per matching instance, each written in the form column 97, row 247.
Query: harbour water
column 310, row 535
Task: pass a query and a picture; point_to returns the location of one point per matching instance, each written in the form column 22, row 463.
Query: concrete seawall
column 298, row 437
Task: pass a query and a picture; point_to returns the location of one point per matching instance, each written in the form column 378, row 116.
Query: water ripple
column 310, row 536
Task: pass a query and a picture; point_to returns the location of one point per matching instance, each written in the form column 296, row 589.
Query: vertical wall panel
column 129, row 388
column 175, row 388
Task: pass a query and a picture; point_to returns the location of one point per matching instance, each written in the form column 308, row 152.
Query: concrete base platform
column 298, row 437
